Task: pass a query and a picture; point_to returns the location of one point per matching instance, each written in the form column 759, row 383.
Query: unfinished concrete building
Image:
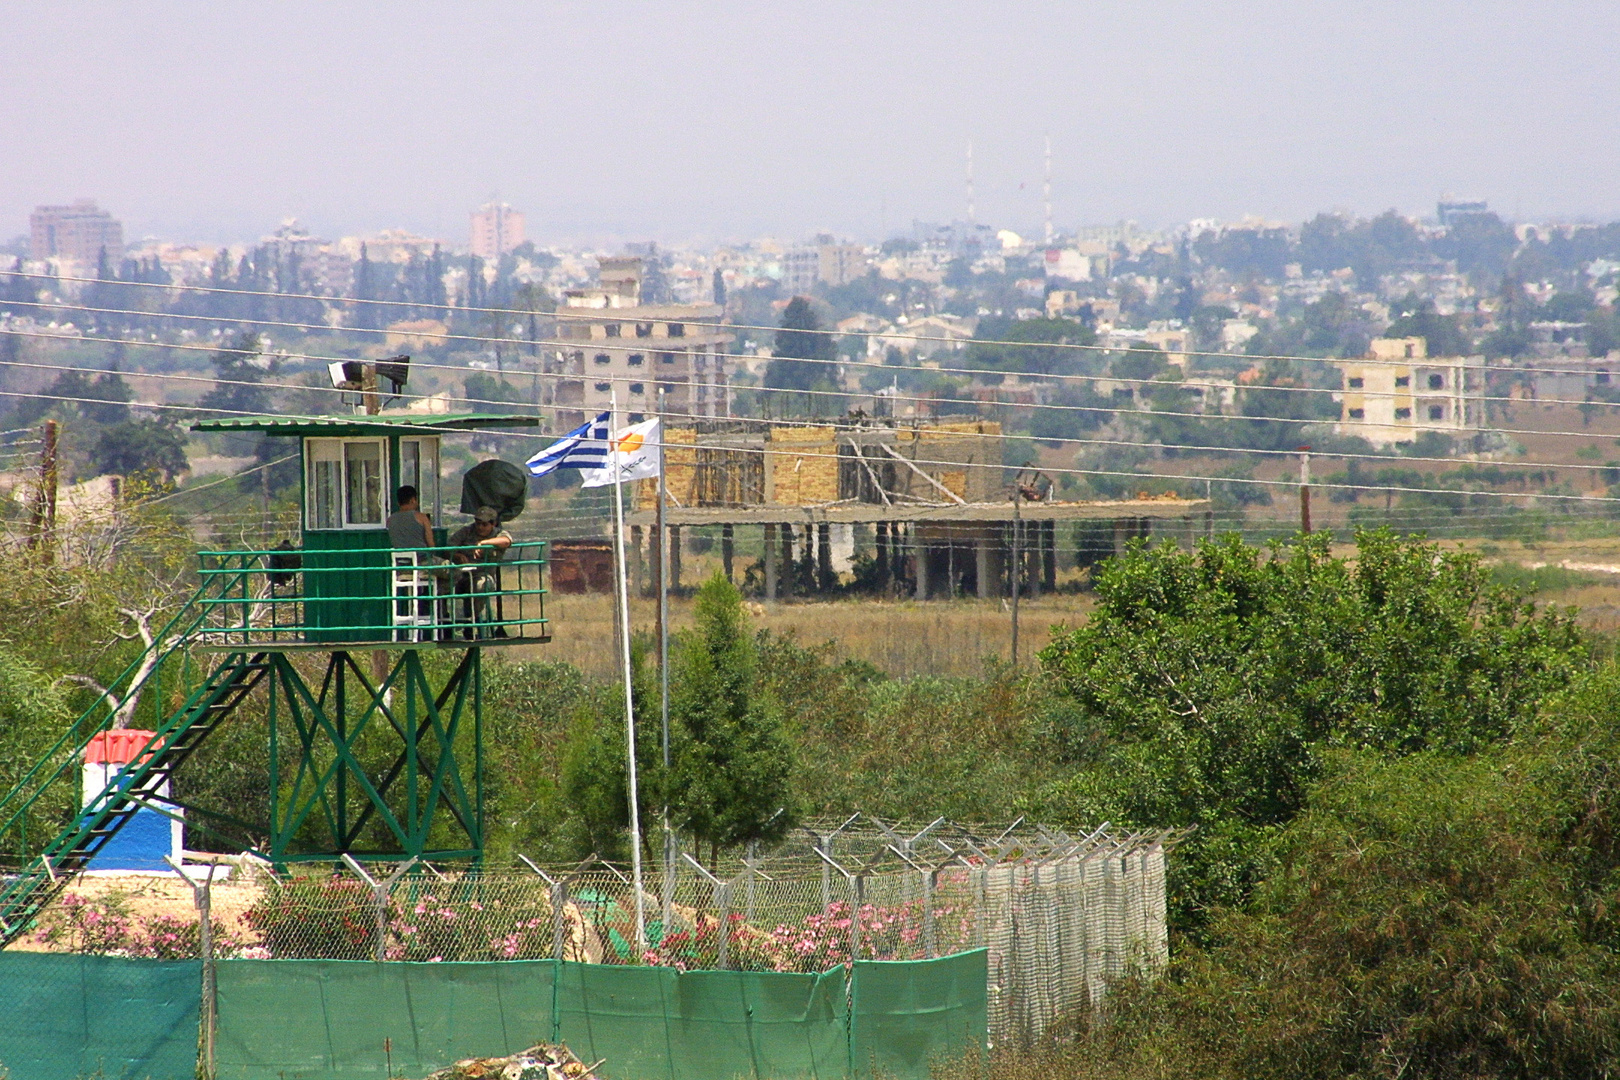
column 617, row 345
column 930, row 498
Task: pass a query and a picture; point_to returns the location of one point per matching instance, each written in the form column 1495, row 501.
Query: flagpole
column 663, row 665
column 629, row 684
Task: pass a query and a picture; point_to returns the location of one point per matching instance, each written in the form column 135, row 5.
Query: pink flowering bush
column 748, row 948
column 336, row 918
column 105, row 926
column 436, row 925
column 894, row 932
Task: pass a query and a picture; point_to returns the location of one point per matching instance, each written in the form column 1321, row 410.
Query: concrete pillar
column 920, row 550
column 771, row 584
column 1049, row 555
column 981, row 553
column 674, row 557
column 789, row 571
column 824, row 570
column 1122, row 534
column 728, row 548
column 1029, row 549
column 884, row 571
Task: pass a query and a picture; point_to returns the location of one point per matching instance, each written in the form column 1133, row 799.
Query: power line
column 1051, row 470
column 1065, row 440
column 588, row 316
column 927, row 400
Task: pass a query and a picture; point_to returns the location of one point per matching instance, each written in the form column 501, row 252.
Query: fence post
column 379, row 897
column 858, row 887
column 928, row 914
column 559, row 899
column 671, row 880
column 202, row 896
column 751, row 861
column 824, row 846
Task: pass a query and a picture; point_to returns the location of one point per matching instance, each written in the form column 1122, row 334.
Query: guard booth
column 344, row 583
column 379, row 761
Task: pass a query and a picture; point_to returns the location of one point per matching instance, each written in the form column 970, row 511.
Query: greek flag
column 586, row 447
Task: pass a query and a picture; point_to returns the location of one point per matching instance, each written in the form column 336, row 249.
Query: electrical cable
column 1051, row 470
column 586, row 315
column 928, row 400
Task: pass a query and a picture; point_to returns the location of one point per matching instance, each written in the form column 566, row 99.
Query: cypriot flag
column 634, row 456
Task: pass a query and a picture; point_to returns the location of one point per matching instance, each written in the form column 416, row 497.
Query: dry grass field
column 907, row 638
column 903, row 638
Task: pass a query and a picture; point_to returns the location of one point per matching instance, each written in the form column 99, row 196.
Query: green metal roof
column 395, row 424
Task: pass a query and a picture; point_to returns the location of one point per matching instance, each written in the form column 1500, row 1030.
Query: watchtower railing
column 398, row 596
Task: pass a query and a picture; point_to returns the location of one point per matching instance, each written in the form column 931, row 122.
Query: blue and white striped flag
column 586, row 447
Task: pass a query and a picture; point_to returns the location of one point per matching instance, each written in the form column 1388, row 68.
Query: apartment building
column 1398, row 392
column 617, row 345
column 496, row 229
column 78, row 233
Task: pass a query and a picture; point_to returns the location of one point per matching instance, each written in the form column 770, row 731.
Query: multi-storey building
column 496, row 229
column 616, row 345
column 78, row 233
column 1398, row 392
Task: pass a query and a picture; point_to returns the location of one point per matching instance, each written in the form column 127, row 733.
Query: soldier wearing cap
column 479, row 546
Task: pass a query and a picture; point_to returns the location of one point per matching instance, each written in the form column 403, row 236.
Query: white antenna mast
column 1047, row 191
column 970, row 182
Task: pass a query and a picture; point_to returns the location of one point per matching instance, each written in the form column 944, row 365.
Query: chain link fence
column 1059, row 915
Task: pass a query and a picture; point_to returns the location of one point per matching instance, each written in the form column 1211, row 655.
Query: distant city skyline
column 722, row 121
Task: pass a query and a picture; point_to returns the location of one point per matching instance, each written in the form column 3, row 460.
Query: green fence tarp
column 908, row 1014
column 64, row 1016
column 325, row 1018
column 662, row 1024
column 290, row 1019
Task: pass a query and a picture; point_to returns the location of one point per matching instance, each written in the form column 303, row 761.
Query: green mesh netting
column 66, row 1016
column 286, row 1019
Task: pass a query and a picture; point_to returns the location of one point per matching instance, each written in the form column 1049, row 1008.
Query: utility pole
column 42, row 522
column 1305, row 490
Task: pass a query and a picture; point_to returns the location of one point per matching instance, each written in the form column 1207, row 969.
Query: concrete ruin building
column 1399, row 392
column 617, row 344
column 930, row 497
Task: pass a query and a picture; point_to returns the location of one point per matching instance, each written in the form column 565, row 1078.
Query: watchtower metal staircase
column 383, row 768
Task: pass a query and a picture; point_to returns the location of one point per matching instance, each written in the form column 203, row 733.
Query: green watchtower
column 380, row 760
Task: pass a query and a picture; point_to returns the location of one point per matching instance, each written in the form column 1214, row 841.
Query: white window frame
column 312, row 448
column 431, row 506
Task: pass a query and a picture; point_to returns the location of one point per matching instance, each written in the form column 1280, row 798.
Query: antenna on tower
column 970, row 182
column 1047, row 191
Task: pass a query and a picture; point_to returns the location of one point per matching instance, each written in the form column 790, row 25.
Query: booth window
column 419, row 467
column 346, row 483
column 325, row 483
column 362, row 482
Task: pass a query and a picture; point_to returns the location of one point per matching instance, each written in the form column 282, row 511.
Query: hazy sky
column 720, row 120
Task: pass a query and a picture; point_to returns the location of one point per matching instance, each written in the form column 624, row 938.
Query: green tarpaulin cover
column 67, row 1016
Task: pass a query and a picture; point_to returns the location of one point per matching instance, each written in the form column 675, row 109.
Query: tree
column 1417, row 317
column 595, row 781
column 140, row 446
column 798, row 341
column 1438, row 916
column 1217, row 682
column 239, row 372
column 989, row 351
column 731, row 781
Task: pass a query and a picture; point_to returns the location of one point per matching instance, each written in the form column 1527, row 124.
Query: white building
column 1398, row 392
